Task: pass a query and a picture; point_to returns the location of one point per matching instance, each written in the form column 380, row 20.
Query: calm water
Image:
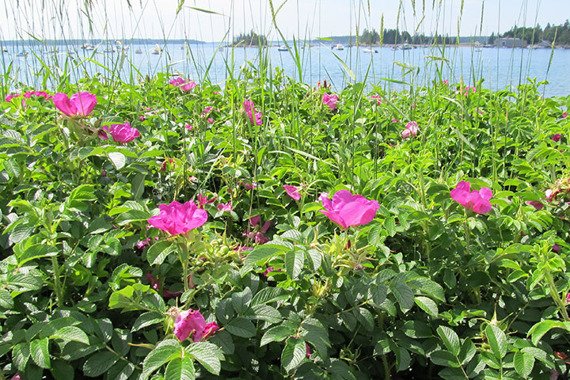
column 500, row 68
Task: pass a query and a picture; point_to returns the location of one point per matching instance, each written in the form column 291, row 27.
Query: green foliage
column 427, row 288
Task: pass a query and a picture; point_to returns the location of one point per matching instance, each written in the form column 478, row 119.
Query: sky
column 114, row 19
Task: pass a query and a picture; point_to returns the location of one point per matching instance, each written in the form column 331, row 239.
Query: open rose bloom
column 330, row 100
column 411, row 130
column 80, row 104
column 347, row 209
column 178, row 218
column 476, row 200
column 255, row 117
column 185, row 85
column 292, row 191
column 121, row 133
column 192, row 323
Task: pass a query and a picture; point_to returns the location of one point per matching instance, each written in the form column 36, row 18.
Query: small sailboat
column 87, row 47
column 282, row 48
column 4, row 50
column 156, row 50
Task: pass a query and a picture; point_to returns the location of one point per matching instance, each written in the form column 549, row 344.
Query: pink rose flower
column 121, row 133
column 188, row 126
column 203, row 200
column 556, row 137
column 377, row 97
column 11, row 96
column 192, row 322
column 183, row 84
column 206, row 111
column 255, row 118
column 330, row 100
column 178, row 218
column 347, row 209
column 81, row 104
column 411, row 130
column 225, row 207
column 555, row 248
column 564, row 115
column 394, row 120
column 536, row 204
column 476, row 200
column 292, row 191
column 210, row 120
column 469, row 89
column 258, row 234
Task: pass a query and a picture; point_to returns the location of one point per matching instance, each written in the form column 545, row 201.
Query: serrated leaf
column 277, row 334
column 99, row 363
column 403, row 294
column 267, row 295
column 450, row 339
column 539, row 329
column 241, row 327
column 427, row 305
column 180, row 369
column 158, row 252
column 497, row 340
column 39, row 350
column 293, row 354
column 160, row 355
column 524, row 363
column 147, row 319
column 118, row 160
column 6, row 301
column 207, row 354
column 71, row 334
column 443, row 358
column 263, row 252
column 294, row 261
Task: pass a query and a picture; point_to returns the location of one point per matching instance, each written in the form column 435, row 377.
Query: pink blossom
column 121, row 133
column 192, row 322
column 564, row 115
column 178, row 218
column 307, row 350
column 377, row 97
column 38, row 94
column 292, row 191
column 16, row 376
column 188, row 126
column 206, row 111
column 203, row 200
column 347, row 209
column 476, row 200
column 536, row 204
column 255, row 117
column 183, row 84
column 330, row 100
column 550, row 195
column 411, row 130
column 141, row 244
column 568, row 298
column 258, row 234
column 469, row 89
column 11, row 96
column 81, row 104
column 249, row 186
column 555, row 248
column 556, row 137
column 225, row 207
column 142, row 118
column 446, row 82
column 210, row 120
column 394, row 120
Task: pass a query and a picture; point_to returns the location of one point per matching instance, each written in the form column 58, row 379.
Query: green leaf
column 36, row 251
column 241, row 327
column 71, row 334
column 180, row 369
column 524, row 363
column 427, row 305
column 6, row 301
column 294, row 261
column 99, row 363
column 497, row 340
column 137, row 185
column 538, row 330
column 39, row 350
column 267, row 295
column 277, row 334
column 118, row 160
column 264, row 252
column 62, row 370
column 122, row 370
column 20, row 232
column 267, row 313
column 403, row 294
column 21, row 355
column 166, row 351
column 158, row 252
column 147, row 319
column 293, row 354
column 450, row 339
column 207, row 354
column 444, row 358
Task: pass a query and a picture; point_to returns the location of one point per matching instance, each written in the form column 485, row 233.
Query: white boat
column 109, row 49
column 156, row 50
column 4, row 50
column 338, row 47
column 369, row 50
column 406, row 46
column 23, row 53
column 282, row 48
column 87, row 47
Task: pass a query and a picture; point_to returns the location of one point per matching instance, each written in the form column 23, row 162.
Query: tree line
column 559, row 34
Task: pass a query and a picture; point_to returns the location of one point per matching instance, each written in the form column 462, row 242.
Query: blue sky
column 302, row 18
